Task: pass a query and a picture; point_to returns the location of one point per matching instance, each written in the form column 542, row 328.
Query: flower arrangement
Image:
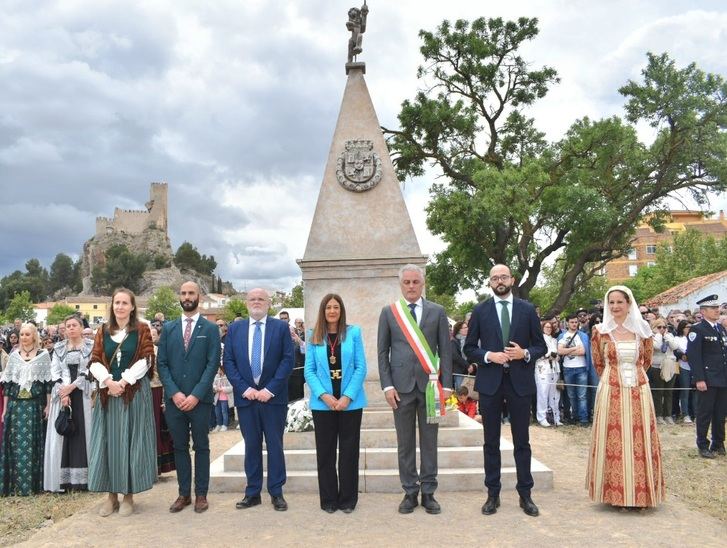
column 451, row 402
column 300, row 418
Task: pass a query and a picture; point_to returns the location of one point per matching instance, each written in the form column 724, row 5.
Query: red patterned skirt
column 165, row 447
column 624, row 462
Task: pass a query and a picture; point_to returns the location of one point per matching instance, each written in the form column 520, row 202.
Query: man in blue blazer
column 258, row 359
column 188, row 358
column 505, row 340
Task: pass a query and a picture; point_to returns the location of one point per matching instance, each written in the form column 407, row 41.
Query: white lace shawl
column 23, row 373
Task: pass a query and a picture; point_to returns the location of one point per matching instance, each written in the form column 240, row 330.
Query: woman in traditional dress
column 66, row 457
column 624, row 461
column 123, row 443
column 165, row 446
column 335, row 370
column 26, row 383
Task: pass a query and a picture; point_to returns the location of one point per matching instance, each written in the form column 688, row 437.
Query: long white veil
column 633, row 322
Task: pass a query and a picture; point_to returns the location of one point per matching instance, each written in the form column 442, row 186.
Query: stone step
column 458, row 436
column 371, row 458
column 384, row 481
column 384, row 418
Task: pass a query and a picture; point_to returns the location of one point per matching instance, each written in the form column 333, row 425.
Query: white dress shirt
column 250, row 335
column 194, row 319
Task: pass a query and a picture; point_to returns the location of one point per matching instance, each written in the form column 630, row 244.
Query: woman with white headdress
column 624, row 462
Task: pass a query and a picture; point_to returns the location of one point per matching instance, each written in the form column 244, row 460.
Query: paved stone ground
column 567, row 517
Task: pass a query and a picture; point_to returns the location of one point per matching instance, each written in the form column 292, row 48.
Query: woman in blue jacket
column 335, row 370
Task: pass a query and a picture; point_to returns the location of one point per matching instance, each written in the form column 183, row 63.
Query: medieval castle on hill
column 136, row 222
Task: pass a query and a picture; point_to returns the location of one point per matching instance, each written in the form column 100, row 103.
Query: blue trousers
column 577, row 394
column 257, row 420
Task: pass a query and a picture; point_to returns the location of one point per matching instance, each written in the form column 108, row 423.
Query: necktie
column 505, row 323
column 187, row 333
column 413, row 308
column 257, row 351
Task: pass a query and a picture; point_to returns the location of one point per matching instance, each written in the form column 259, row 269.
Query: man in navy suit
column 505, row 340
column 187, row 359
column 258, row 359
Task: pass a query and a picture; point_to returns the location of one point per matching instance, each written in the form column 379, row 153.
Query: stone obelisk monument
column 361, row 233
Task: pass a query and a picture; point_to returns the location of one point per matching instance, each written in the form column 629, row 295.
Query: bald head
column 189, row 298
column 258, row 303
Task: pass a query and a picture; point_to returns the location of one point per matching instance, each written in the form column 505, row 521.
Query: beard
column 500, row 290
column 188, row 306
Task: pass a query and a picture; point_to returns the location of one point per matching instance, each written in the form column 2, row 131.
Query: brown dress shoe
column 200, row 504
column 179, row 504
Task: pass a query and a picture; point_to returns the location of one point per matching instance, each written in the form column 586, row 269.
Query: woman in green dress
column 26, row 383
column 123, row 440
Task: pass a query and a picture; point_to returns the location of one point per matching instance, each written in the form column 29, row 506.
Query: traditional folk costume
column 624, row 462
column 123, row 441
column 66, row 457
column 164, row 444
column 26, row 385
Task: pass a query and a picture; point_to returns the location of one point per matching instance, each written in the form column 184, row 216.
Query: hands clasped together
column 513, row 351
column 185, row 403
column 336, row 404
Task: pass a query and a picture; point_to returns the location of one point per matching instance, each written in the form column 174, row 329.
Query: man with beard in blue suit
column 258, row 359
column 505, row 340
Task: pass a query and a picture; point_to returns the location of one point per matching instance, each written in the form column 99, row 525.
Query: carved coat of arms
column 358, row 167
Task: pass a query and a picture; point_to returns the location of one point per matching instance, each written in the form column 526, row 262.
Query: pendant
column 332, row 360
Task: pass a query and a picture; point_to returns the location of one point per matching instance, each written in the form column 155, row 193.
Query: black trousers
column 338, row 485
column 519, row 410
column 711, row 409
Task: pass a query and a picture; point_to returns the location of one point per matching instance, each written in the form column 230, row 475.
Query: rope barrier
column 585, row 385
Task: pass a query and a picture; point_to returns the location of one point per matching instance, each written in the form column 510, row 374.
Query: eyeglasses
column 661, row 327
column 501, row 278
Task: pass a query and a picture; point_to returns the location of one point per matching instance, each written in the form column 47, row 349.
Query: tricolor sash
column 428, row 359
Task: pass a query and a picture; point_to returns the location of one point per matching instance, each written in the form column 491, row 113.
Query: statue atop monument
column 357, row 25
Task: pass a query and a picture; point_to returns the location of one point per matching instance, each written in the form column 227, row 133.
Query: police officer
column 707, row 355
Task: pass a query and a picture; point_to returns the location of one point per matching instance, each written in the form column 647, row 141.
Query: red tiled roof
column 674, row 294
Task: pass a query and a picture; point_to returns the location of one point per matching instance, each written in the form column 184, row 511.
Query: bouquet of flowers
column 451, row 402
column 300, row 418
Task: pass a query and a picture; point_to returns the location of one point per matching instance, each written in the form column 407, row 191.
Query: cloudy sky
column 233, row 103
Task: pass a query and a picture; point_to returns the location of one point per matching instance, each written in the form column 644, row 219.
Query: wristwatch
column 526, row 355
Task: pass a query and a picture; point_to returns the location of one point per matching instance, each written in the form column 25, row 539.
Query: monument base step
column 384, row 480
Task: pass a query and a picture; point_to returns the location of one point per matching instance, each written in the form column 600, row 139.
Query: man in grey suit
column 404, row 381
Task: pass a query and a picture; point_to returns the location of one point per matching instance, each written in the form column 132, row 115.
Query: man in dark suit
column 258, row 359
column 707, row 354
column 188, row 358
column 405, row 381
column 505, row 340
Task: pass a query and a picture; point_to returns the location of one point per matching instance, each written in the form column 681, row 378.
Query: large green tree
column 20, row 306
column 166, row 301
column 510, row 196
column 235, row 308
column 58, row 313
column 295, row 298
column 63, row 274
column 122, row 269
column 187, row 257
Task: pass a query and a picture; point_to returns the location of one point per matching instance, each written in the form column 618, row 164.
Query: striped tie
column 257, row 352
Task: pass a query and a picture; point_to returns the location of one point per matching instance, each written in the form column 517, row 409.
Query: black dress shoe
column 528, row 506
column 279, row 503
column 430, row 504
column 347, row 510
column 706, row 453
column 408, row 503
column 491, row 505
column 719, row 451
column 248, row 502
column 328, row 508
